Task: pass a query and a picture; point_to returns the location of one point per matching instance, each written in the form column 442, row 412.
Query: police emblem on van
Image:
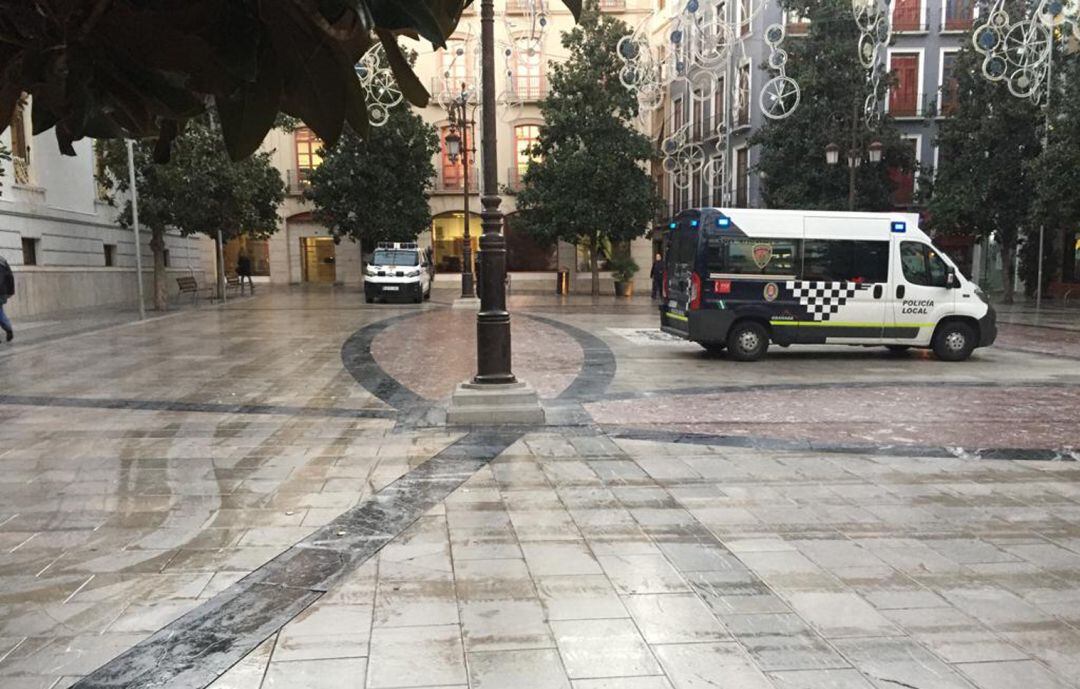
column 762, row 254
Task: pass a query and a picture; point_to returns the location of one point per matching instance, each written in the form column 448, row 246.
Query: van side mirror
column 951, row 280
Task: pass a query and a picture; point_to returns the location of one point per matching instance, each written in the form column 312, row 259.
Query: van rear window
column 754, row 256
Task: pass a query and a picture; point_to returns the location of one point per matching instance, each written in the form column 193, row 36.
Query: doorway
column 318, row 259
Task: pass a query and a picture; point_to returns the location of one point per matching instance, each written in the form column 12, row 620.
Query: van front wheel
column 954, row 341
column 747, row 341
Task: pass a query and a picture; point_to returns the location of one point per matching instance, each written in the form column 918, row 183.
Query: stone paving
column 653, row 535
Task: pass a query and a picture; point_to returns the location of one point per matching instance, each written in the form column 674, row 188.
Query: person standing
column 7, row 290
column 243, row 270
column 657, row 275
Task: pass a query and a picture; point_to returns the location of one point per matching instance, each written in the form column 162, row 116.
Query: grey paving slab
column 541, row 669
column 603, row 648
column 723, row 665
column 416, row 657
column 674, row 618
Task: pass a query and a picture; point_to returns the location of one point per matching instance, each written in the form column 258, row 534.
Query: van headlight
column 413, row 274
column 368, row 270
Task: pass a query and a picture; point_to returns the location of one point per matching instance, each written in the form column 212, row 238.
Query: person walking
column 243, row 270
column 657, row 275
column 7, row 290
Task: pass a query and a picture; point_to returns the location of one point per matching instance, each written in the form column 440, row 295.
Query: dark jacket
column 657, row 273
column 7, row 280
column 243, row 266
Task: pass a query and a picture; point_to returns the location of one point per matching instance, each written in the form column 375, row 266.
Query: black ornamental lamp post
column 458, row 146
column 493, row 320
column 854, row 156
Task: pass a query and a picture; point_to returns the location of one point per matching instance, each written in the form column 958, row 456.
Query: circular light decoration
column 380, row 87
column 781, row 95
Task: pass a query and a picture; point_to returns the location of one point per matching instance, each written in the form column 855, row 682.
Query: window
column 744, row 17
column 529, row 69
column 699, row 114
column 742, row 114
column 903, row 181
column 836, row 260
column 526, row 136
column 754, row 256
column 904, row 94
column 907, row 15
column 29, row 251
column 719, row 99
column 110, row 255
column 959, row 15
column 922, row 265
column 950, row 87
column 20, row 146
column 455, row 65
column 307, row 152
column 797, row 24
column 742, row 178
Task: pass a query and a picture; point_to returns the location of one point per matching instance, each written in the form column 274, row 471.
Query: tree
column 984, row 184
column 201, row 191
column 138, row 69
column 588, row 184
column 1056, row 205
column 391, row 170
column 825, row 63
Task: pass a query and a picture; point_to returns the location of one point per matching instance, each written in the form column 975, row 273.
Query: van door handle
column 877, row 291
column 899, row 291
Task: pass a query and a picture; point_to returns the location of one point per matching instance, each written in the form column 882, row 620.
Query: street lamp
column 832, row 154
column 457, row 146
column 874, row 150
column 854, row 160
column 493, row 320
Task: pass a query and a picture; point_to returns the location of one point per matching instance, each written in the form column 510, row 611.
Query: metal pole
column 467, row 287
column 850, row 158
column 1045, row 141
column 221, row 267
column 493, row 320
column 135, row 227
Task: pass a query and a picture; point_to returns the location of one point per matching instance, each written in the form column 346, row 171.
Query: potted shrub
column 623, row 269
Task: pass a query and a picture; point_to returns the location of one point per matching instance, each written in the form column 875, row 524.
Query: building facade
column 60, row 235
column 302, row 251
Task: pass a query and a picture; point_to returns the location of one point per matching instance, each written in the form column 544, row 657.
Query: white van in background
column 737, row 279
column 398, row 270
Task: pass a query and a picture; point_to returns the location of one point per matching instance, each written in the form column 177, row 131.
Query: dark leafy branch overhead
column 143, row 68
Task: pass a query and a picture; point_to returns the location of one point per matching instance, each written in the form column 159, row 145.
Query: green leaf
column 406, row 78
column 248, row 115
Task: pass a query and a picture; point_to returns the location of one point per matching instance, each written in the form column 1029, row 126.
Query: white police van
column 740, row 278
column 399, row 270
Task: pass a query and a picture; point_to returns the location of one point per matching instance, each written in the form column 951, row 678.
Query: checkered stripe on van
column 822, row 299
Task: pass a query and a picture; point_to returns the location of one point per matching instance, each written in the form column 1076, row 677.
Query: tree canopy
column 834, row 87
column 588, row 184
column 984, row 184
column 201, row 191
column 391, row 172
column 138, row 69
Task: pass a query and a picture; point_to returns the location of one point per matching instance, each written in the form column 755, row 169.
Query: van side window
column 755, row 256
column 922, row 265
column 843, row 260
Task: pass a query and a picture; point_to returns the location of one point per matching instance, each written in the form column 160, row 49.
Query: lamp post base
column 493, row 404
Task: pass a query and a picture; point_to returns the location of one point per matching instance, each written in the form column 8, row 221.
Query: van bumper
column 988, row 327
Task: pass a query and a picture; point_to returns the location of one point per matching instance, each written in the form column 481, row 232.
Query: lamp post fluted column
column 493, row 320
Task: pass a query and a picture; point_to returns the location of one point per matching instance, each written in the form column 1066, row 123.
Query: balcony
column 957, row 19
column 21, row 166
column 910, row 19
column 452, row 184
column 513, row 179
column 533, row 92
column 909, row 106
column 612, row 5
column 296, row 182
column 452, row 85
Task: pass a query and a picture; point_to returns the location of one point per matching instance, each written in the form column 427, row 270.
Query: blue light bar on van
column 723, row 222
column 693, row 223
column 899, row 226
column 673, row 225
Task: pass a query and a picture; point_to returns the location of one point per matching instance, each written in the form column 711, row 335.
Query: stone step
column 502, row 414
column 500, row 399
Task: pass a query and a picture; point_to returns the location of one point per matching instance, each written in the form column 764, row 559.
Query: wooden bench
column 1063, row 290
column 189, row 285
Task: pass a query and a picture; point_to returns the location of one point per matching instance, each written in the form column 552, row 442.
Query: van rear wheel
column 747, row 341
column 954, row 341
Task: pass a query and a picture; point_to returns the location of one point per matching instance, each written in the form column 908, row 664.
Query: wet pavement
column 265, row 495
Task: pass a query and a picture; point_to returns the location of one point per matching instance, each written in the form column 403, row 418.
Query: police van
column 400, row 270
column 740, row 278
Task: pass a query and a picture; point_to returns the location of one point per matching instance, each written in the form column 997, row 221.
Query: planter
column 624, row 289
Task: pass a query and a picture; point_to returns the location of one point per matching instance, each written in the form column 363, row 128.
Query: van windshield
column 395, row 257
